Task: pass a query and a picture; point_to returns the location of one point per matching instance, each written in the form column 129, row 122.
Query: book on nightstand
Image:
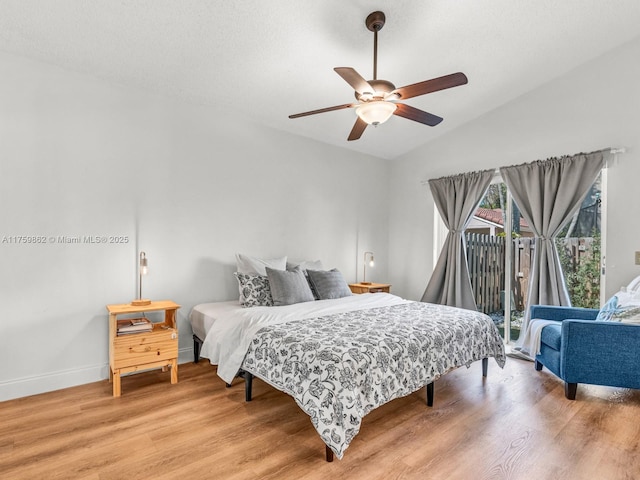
column 134, row 325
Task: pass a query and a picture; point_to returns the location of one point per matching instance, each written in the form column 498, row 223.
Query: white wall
column 192, row 186
column 188, row 184
column 592, row 107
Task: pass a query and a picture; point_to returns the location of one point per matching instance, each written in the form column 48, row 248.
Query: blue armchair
column 580, row 349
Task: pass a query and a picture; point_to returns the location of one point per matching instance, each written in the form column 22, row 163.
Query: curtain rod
column 611, row 150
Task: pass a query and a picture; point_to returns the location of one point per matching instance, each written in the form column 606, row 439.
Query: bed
column 341, row 358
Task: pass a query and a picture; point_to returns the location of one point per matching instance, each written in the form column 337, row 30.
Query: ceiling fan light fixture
column 375, row 112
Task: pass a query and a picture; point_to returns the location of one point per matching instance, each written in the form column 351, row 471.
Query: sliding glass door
column 498, row 260
column 500, row 246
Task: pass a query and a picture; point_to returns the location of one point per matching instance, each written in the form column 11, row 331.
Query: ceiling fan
column 378, row 99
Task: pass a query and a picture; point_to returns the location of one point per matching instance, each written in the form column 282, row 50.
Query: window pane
column 578, row 246
column 486, row 248
column 580, row 253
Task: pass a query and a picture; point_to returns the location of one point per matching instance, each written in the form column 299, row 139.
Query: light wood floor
column 516, row 424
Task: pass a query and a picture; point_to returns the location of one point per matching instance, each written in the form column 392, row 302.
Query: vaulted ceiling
column 265, row 60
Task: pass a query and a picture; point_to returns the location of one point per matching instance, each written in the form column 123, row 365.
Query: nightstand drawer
column 379, row 289
column 141, row 348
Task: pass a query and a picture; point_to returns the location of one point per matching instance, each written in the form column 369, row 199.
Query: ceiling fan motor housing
column 381, row 91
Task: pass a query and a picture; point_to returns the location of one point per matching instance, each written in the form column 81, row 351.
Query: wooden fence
column 486, row 262
column 485, row 259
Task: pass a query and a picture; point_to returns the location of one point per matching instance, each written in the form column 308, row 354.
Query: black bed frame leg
column 248, row 383
column 329, row 453
column 485, row 366
column 430, row 394
column 197, row 344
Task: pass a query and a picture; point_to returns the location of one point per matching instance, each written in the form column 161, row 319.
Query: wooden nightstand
column 141, row 351
column 369, row 287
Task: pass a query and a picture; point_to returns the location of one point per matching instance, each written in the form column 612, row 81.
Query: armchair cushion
column 552, row 335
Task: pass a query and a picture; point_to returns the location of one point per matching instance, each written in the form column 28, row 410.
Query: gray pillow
column 328, row 284
column 288, row 287
column 304, row 266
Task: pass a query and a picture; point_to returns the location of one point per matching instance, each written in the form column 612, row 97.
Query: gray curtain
column 548, row 193
column 457, row 198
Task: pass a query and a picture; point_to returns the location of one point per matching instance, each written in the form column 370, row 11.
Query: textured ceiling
column 265, row 60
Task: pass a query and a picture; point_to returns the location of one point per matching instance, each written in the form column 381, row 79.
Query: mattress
column 203, row 316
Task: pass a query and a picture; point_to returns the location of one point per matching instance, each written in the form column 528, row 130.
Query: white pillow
column 623, row 307
column 253, row 265
column 306, row 265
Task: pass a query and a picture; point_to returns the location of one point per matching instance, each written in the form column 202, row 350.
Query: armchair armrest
column 601, row 353
column 548, row 312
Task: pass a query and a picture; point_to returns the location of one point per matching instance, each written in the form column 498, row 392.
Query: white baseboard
column 48, row 382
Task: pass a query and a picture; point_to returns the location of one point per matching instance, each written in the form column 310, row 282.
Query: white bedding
column 229, row 336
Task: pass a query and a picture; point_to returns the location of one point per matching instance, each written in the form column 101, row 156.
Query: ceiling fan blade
column 433, row 85
column 416, row 115
column 358, row 128
column 322, row 110
column 354, row 79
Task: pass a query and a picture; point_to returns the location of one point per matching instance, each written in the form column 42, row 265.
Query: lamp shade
column 375, row 112
column 143, row 269
column 364, row 267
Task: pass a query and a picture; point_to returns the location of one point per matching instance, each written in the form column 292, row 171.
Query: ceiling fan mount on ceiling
column 377, row 100
column 375, row 21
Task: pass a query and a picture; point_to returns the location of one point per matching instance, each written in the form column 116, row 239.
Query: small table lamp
column 143, row 270
column 364, row 268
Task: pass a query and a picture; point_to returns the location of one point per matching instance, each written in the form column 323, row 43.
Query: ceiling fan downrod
column 375, row 22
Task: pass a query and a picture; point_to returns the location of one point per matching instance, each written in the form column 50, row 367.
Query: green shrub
column 582, row 277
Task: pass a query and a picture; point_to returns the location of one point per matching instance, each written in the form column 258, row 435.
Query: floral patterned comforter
column 340, row 367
